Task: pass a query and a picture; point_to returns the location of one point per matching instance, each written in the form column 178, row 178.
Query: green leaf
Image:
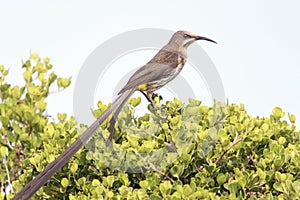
column 3, row 151
column 155, row 197
column 221, row 179
column 2, row 68
column 41, row 105
column 177, row 171
column 179, row 189
column 135, row 101
column 211, row 168
column 4, row 120
column 277, row 112
column 175, row 120
column 187, row 190
column 177, row 102
column 281, row 140
column 280, row 177
column 234, row 187
column 35, row 56
column 63, row 82
column 165, row 127
column 109, row 181
column 213, row 134
column 292, row 118
column 61, row 117
column 41, row 77
column 16, row 92
column 46, row 60
column 110, row 194
column 52, row 78
column 194, row 102
column 74, row 167
column 64, row 182
column 40, row 67
column 296, row 185
column 165, row 187
column 144, row 184
column 96, row 183
column 49, row 129
column 27, row 76
column 192, row 110
column 124, row 178
column 277, row 186
column 16, row 128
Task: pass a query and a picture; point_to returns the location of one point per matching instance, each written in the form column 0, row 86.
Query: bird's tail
column 63, row 158
column 116, row 105
column 113, row 120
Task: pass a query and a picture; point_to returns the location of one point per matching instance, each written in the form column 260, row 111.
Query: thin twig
column 160, row 172
column 166, row 143
column 154, row 168
column 8, row 144
column 56, row 91
column 252, row 159
column 224, row 152
column 7, row 172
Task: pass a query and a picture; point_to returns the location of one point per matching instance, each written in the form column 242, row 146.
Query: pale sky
column 257, row 55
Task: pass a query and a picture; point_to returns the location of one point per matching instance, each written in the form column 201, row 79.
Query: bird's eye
column 186, row 36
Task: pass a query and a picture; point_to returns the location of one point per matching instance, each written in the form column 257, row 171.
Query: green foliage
column 29, row 140
column 179, row 151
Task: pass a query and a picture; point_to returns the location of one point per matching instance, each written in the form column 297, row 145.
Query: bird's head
column 185, row 38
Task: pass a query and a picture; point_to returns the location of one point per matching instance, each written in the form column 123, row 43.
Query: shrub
column 179, row 151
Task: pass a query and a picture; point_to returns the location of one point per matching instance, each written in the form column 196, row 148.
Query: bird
column 160, row 70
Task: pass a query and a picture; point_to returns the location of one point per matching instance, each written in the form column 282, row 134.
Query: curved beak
column 204, row 38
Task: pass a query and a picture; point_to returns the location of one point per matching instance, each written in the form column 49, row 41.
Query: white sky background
column 257, row 54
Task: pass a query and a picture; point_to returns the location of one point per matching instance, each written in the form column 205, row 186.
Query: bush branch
column 226, row 150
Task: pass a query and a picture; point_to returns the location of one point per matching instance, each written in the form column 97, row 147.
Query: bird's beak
column 204, row 38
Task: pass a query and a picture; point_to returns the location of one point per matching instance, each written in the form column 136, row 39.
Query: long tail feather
column 115, row 116
column 113, row 120
column 112, row 123
column 63, row 158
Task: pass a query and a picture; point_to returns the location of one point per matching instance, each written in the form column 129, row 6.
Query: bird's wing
column 146, row 74
column 158, row 67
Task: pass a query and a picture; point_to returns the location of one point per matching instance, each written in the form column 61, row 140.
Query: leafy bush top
column 180, row 151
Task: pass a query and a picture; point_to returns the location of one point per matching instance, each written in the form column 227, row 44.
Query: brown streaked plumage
column 160, row 70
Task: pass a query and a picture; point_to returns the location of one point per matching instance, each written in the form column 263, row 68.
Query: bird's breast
column 181, row 62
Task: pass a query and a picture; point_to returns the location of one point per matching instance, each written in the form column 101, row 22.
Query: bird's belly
column 164, row 79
